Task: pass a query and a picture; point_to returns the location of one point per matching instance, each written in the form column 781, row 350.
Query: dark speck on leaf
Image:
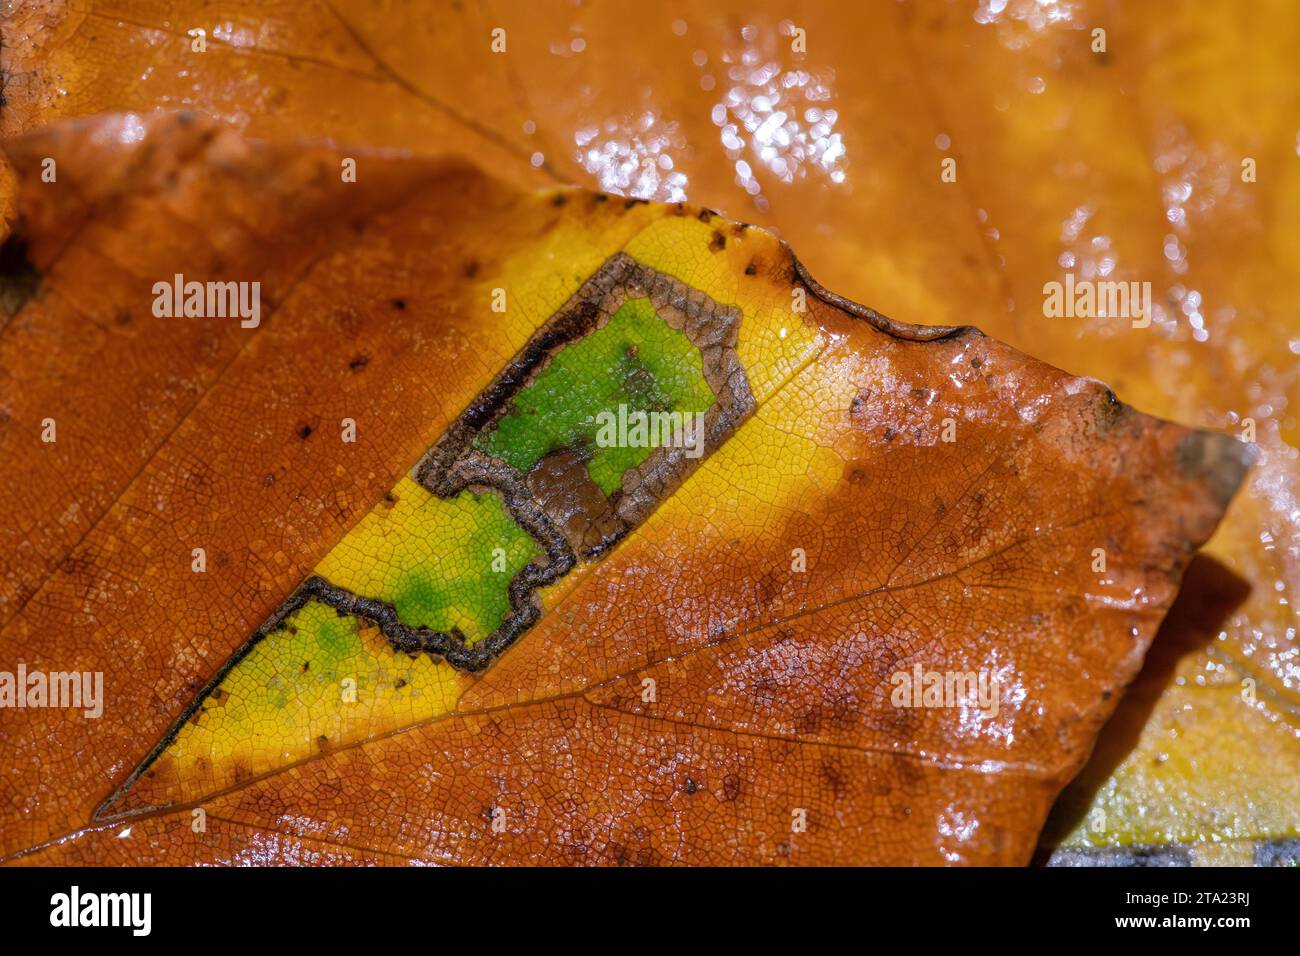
column 19, row 279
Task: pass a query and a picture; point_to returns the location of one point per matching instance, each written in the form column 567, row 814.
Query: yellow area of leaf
column 442, row 564
column 775, row 341
column 433, row 559
column 319, row 681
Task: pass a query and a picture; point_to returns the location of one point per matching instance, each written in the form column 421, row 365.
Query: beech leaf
column 867, row 598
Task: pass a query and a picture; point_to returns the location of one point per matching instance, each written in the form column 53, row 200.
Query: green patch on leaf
column 636, row 360
column 465, row 585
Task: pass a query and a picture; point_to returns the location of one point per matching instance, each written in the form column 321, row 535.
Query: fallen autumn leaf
column 702, row 662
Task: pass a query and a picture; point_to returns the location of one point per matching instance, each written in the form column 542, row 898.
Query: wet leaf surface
column 708, row 664
column 1125, row 162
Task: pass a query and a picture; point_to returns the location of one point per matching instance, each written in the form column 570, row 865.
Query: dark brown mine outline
column 453, row 465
